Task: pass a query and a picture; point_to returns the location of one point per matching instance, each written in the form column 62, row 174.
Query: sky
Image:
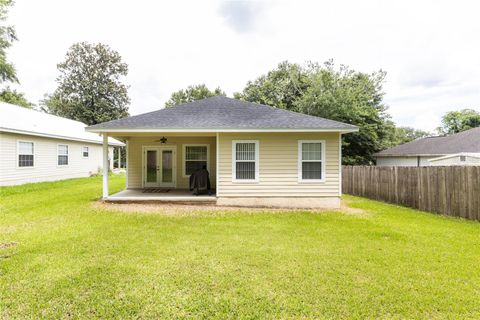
column 429, row 49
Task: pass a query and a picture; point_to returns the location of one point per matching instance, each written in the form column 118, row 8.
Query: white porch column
column 217, row 165
column 105, row 165
column 126, row 164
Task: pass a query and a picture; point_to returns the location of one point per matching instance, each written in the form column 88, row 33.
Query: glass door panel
column 152, row 175
column 167, row 166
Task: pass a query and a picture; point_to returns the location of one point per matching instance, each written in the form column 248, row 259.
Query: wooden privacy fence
column 453, row 190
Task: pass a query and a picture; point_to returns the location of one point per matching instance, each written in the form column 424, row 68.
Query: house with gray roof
column 256, row 155
column 458, row 149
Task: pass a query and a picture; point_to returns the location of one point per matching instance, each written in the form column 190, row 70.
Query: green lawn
column 74, row 260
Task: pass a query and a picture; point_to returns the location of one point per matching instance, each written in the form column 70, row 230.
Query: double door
column 159, row 167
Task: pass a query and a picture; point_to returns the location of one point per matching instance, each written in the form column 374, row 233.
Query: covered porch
column 159, row 165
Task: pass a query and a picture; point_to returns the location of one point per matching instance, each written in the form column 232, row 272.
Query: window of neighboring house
column 25, row 154
column 85, row 152
column 195, row 157
column 62, row 155
column 463, row 158
column 311, row 161
column 245, row 164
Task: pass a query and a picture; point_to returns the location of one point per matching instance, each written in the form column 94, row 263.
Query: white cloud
column 428, row 48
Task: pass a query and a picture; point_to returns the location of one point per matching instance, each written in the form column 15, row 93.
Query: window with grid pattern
column 311, row 161
column 195, row 158
column 25, row 154
column 62, row 155
column 246, row 161
column 85, row 152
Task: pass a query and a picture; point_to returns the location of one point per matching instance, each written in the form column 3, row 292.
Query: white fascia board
column 407, row 155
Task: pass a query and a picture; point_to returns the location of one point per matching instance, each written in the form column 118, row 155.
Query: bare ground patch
column 7, row 244
column 180, row 209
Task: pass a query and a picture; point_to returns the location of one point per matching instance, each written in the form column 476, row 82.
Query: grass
column 74, row 260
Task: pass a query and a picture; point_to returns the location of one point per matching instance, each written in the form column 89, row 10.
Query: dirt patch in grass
column 181, row 209
column 344, row 208
column 7, row 244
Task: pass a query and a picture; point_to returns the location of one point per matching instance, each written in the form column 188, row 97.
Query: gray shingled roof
column 222, row 113
column 466, row 141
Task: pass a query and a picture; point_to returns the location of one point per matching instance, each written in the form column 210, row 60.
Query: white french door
column 159, row 169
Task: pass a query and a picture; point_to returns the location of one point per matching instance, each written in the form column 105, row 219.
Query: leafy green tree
column 14, row 97
column 7, row 37
column 457, row 121
column 192, row 93
column 89, row 86
column 280, row 87
column 7, row 70
column 340, row 94
column 407, row 134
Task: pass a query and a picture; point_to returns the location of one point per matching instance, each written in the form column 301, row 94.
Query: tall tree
column 90, row 89
column 14, row 97
column 7, row 70
column 340, row 94
column 280, row 87
column 7, row 36
column 192, row 93
column 457, row 121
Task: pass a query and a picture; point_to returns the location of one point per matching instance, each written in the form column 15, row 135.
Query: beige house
column 256, row 155
column 35, row 147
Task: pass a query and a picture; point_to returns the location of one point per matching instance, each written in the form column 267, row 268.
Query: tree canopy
column 407, row 134
column 7, row 70
column 337, row 93
column 281, row 87
column 90, row 89
column 7, row 37
column 457, row 121
column 14, row 97
column 192, row 93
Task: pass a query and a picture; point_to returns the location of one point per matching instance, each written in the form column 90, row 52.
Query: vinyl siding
column 45, row 160
column 278, row 170
column 135, row 158
column 455, row 161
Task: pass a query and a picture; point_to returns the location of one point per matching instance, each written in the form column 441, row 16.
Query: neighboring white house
column 36, row 146
column 458, row 149
column 458, row 159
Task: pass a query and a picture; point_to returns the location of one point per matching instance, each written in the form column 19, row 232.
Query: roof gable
column 219, row 113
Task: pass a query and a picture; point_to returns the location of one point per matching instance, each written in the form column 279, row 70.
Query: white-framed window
column 85, row 153
column 195, row 156
column 245, row 161
column 62, row 155
column 311, row 160
column 26, row 156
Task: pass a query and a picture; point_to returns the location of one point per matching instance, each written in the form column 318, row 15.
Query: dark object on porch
column 155, row 190
column 200, row 182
